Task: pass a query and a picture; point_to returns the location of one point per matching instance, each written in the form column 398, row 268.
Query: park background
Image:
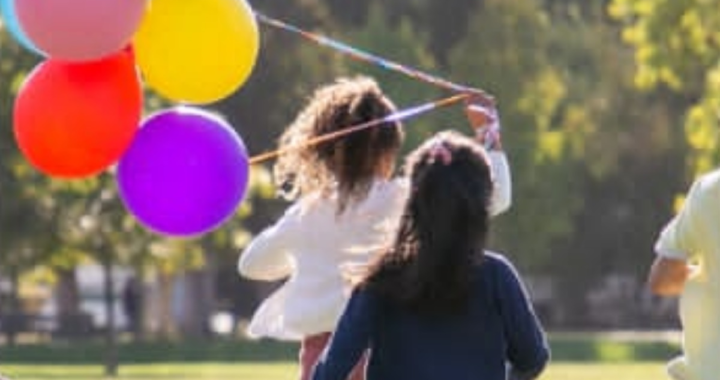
column 609, row 109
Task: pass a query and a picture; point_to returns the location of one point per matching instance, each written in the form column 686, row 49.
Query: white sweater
column 310, row 243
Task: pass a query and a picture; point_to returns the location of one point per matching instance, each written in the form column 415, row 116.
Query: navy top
column 499, row 334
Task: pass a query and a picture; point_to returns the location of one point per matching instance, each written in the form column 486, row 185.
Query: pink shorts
column 310, row 350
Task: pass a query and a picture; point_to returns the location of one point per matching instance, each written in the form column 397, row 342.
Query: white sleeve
column 267, row 256
column 679, row 237
column 502, row 183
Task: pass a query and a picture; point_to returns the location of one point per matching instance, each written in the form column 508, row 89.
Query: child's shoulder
column 494, row 261
column 387, row 192
column 391, row 185
column 495, row 258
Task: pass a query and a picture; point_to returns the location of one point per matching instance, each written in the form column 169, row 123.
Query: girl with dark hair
column 347, row 203
column 436, row 305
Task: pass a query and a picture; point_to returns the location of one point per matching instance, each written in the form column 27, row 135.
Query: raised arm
column 502, row 183
column 485, row 121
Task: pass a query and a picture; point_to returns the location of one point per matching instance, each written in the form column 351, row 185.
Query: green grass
column 609, row 348
column 575, row 357
column 89, row 352
column 604, row 371
column 160, row 371
column 288, row 371
column 565, row 348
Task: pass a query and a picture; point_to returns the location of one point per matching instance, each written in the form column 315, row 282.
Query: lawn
column 287, row 371
column 575, row 357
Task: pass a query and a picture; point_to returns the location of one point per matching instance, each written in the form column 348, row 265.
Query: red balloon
column 74, row 120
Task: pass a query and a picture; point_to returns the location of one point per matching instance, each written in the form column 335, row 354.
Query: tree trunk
column 15, row 309
column 67, row 292
column 197, row 304
column 111, row 357
column 200, row 298
column 163, row 305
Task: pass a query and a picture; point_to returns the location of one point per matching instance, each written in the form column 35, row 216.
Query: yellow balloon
column 197, row 51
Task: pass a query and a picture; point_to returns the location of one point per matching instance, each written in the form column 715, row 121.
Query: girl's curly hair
column 347, row 165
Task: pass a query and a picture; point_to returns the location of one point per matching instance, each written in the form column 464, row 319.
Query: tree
column 59, row 224
column 505, row 53
column 400, row 41
column 21, row 221
column 573, row 128
column 677, row 46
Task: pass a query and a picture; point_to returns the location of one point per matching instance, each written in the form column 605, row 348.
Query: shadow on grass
column 594, row 349
column 152, row 352
column 575, row 348
column 65, row 373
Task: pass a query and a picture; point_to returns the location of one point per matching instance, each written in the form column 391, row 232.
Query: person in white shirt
column 687, row 265
column 347, row 205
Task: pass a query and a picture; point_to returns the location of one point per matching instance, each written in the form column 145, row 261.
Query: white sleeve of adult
column 679, row 238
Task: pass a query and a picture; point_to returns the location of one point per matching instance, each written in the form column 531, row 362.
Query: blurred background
column 609, row 110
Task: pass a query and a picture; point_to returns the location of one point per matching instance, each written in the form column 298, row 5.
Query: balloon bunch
column 181, row 171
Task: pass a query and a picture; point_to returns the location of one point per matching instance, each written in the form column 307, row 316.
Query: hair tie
column 439, row 151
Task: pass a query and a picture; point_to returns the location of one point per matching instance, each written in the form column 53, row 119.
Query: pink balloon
column 80, row 30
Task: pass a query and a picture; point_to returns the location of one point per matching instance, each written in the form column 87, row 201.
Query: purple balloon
column 185, row 173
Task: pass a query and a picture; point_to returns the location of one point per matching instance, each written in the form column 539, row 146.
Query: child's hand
column 480, row 97
column 483, row 118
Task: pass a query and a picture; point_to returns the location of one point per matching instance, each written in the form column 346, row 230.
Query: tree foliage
column 677, row 45
column 596, row 163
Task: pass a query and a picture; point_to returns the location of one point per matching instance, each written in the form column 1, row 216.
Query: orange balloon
column 74, row 120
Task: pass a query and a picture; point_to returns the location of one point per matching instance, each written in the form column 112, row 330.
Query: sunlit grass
column 288, row 371
column 605, row 371
column 160, row 371
column 575, row 357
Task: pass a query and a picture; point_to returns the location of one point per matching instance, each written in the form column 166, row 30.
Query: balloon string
column 394, row 117
column 370, row 58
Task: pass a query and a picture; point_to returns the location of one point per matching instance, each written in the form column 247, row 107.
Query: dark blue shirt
column 499, row 333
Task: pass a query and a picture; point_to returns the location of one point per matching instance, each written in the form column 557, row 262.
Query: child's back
column 312, row 244
column 497, row 324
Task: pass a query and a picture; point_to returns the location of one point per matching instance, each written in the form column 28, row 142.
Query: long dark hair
column 443, row 228
column 349, row 165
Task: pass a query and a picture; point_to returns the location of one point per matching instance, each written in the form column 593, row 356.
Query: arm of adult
column 677, row 242
column 667, row 276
